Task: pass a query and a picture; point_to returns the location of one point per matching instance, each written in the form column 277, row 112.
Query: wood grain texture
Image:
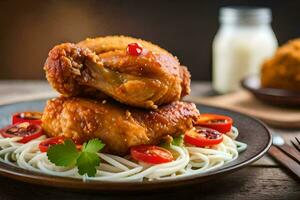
column 250, row 183
column 16, row 91
column 291, row 151
column 288, row 162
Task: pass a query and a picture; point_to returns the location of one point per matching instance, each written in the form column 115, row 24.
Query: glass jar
column 244, row 40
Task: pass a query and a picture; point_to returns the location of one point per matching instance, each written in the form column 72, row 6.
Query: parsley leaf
column 63, row 154
column 93, row 146
column 67, row 155
column 87, row 163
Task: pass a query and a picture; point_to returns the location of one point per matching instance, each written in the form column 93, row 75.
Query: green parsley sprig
column 67, row 155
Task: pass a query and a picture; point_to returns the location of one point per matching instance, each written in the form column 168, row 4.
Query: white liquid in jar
column 238, row 51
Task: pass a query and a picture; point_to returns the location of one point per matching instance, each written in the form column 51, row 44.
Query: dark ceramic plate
column 270, row 95
column 252, row 132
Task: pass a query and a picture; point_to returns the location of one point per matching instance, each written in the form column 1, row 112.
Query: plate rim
column 68, row 183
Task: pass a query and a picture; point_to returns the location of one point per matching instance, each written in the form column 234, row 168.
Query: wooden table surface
column 264, row 179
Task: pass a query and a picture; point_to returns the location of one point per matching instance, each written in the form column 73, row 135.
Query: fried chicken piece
column 111, row 43
column 118, row 126
column 153, row 78
column 283, row 70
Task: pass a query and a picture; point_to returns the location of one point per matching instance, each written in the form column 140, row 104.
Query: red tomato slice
column 201, row 137
column 220, row 123
column 44, row 146
column 32, row 117
column 26, row 130
column 151, row 154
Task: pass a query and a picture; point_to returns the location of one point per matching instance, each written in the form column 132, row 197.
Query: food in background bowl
column 282, row 71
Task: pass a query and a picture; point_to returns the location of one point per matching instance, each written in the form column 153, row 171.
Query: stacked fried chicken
column 122, row 90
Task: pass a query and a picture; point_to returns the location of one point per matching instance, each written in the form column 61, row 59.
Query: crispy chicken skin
column 119, row 127
column 111, row 43
column 102, row 65
column 283, row 69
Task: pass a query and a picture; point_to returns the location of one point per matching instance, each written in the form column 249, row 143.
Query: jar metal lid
column 245, row 15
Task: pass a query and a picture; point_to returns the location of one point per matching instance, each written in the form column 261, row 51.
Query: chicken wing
column 102, row 65
column 119, row 127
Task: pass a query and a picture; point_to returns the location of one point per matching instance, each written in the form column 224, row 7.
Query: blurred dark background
column 29, row 29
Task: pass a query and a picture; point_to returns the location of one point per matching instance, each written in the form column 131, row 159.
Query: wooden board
column 244, row 102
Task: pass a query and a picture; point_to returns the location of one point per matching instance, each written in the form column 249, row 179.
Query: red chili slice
column 26, row 130
column 220, row 123
column 134, row 49
column 32, row 117
column 151, row 154
column 201, row 137
column 44, row 146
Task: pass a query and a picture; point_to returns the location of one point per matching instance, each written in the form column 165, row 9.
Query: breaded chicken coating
column 119, row 127
column 102, row 65
column 283, row 69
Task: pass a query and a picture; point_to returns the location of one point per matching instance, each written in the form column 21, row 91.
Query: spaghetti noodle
column 190, row 160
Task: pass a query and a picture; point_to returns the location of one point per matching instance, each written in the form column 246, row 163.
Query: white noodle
column 190, row 160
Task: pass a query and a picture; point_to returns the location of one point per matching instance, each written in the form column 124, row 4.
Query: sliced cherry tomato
column 43, row 146
column 201, row 137
column 220, row 123
column 151, row 154
column 26, row 130
column 32, row 117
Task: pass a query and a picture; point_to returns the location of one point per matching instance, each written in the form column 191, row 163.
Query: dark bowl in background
column 272, row 96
